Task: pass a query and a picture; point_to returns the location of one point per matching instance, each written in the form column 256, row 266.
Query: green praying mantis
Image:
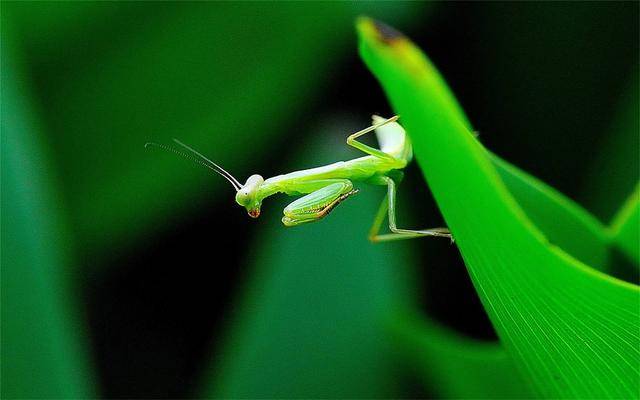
column 327, row 186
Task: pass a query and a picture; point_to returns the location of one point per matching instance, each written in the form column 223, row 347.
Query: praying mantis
column 327, row 186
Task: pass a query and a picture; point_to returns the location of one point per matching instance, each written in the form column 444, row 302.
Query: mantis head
column 247, row 195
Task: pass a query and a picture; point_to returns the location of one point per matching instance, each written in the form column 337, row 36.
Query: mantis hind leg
column 388, row 207
column 318, row 204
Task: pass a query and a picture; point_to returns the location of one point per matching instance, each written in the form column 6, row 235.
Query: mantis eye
column 243, row 197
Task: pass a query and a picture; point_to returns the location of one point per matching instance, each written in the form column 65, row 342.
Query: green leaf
column 563, row 222
column 43, row 350
column 616, row 168
column 458, row 367
column 571, row 330
column 626, row 226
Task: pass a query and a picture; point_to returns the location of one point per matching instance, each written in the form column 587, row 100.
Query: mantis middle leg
column 389, row 204
column 325, row 195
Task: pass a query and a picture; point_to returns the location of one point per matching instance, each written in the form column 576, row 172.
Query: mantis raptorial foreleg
column 389, row 204
column 318, row 203
column 351, row 141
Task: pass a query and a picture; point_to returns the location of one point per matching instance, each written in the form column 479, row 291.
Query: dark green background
column 128, row 273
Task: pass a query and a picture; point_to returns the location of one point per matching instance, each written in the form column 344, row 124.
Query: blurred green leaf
column 224, row 77
column 571, row 330
column 43, row 348
column 456, row 366
column 626, row 226
column 616, row 167
column 313, row 318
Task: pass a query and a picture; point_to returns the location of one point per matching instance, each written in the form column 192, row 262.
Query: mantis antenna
column 198, row 159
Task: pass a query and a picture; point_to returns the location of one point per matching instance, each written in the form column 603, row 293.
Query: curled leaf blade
column 571, row 329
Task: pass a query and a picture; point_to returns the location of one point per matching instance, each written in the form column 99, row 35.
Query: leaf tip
column 372, row 29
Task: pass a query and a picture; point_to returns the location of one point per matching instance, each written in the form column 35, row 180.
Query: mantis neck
column 268, row 189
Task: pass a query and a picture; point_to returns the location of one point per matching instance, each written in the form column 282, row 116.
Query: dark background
column 545, row 85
